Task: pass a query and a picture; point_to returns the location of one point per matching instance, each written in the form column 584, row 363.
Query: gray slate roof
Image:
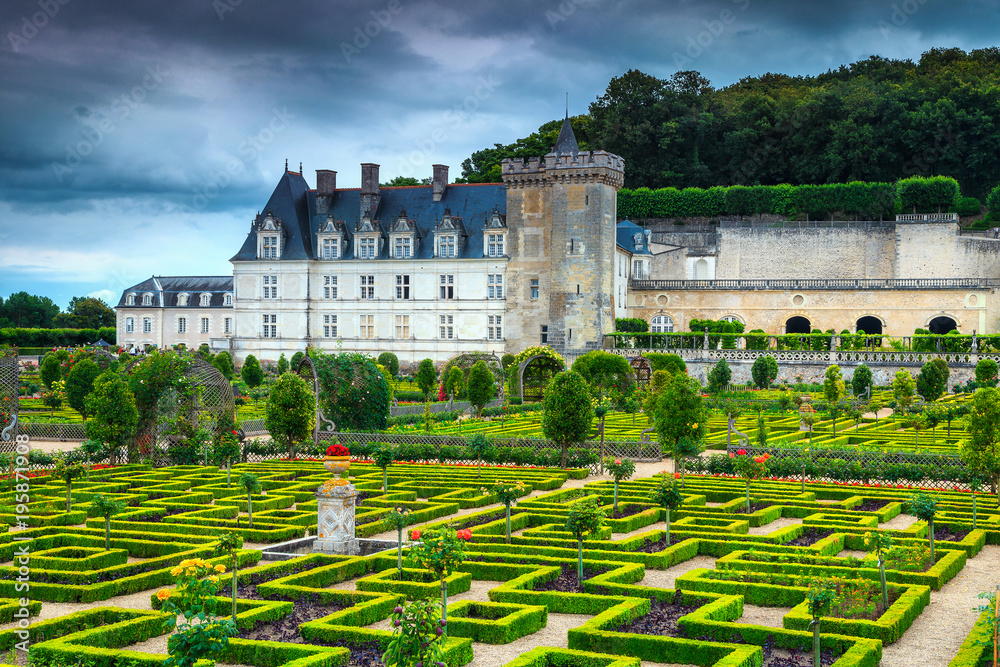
column 295, row 205
column 172, row 286
column 625, row 237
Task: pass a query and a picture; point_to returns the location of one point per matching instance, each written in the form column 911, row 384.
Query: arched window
column 701, row 269
column 661, row 324
column 797, row 325
column 182, row 299
column 206, row 299
column 147, row 299
column 229, row 299
column 733, row 318
column 942, row 325
column 130, row 300
column 869, row 325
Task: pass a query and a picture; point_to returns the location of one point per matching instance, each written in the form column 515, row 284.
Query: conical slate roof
column 566, row 143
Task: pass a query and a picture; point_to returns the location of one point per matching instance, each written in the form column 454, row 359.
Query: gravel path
column 769, row 616
column 665, row 578
column 769, row 528
column 935, row 636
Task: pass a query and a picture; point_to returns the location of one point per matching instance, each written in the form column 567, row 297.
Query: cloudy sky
column 139, row 138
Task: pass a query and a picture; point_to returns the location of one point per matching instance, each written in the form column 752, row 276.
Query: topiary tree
column 987, row 371
column 605, row 372
column 668, row 496
column 764, row 371
column 114, row 416
column 79, row 384
column 282, row 364
column 932, row 380
column 454, row 384
column 585, row 517
column 107, row 507
column 903, row 387
column 426, row 377
column 861, row 380
column 354, row 393
column 391, row 363
column 251, row 372
column 250, row 485
column 383, row 455
column 679, row 411
column 833, row 392
column 507, row 493
column 482, row 386
column 67, row 472
column 228, row 545
column 291, row 411
column 480, row 446
column 50, row 371
column 981, row 450
column 924, row 507
column 506, row 360
column 224, row 363
column 619, row 469
column 568, row 412
column 728, row 336
column 684, row 449
column 296, row 360
column 719, row 376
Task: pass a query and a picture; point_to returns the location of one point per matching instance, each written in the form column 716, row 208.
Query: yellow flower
column 214, row 579
column 162, row 595
column 176, row 571
column 220, row 568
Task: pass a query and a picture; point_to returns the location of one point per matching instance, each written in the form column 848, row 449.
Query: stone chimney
column 440, row 180
column 369, row 189
column 326, row 183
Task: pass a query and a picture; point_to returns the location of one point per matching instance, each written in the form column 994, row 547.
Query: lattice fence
column 8, row 398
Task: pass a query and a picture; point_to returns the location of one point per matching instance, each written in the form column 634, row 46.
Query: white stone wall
column 164, row 326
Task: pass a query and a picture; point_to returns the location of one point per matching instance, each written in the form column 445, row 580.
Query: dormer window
column 206, row 300
column 228, row 299
column 331, row 248
column 403, row 237
column 130, row 300
column 269, row 247
column 495, row 235
column 366, row 248
column 147, row 299
column 269, row 237
column 495, row 245
column 329, row 240
column 182, row 300
column 446, row 245
column 403, row 247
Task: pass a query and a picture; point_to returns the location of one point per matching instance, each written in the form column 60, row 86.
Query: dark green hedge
column 55, row 337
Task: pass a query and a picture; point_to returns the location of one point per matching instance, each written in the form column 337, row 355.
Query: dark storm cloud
column 170, row 119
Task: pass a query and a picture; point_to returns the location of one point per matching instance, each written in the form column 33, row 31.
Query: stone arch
column 870, row 324
column 942, row 323
column 798, row 324
column 534, row 373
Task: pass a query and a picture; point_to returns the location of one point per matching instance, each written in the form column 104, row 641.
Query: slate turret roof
column 625, row 236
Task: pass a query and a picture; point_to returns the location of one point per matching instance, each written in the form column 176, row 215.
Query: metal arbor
column 9, row 381
column 642, row 369
column 467, row 360
column 534, row 373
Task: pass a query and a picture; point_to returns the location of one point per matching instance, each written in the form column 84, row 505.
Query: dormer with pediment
column 270, row 236
column 332, row 239
column 368, row 238
column 183, row 298
column 449, row 236
column 495, row 235
column 403, row 237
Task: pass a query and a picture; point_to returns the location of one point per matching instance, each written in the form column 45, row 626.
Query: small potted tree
column 585, row 517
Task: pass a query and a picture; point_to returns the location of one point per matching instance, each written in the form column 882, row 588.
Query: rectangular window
column 367, row 287
column 329, row 287
column 637, row 270
column 402, row 287
column 182, row 325
column 447, row 328
column 147, row 325
column 331, row 249
column 494, row 330
column 367, row 248
column 270, row 287
column 270, row 329
column 129, row 325
column 204, row 325
column 270, row 248
column 545, row 334
column 329, row 326
column 402, row 326
column 494, row 287
column 368, row 326
column 402, row 247
column 447, row 286
column 534, row 288
column 494, row 243
column 446, row 246
column 228, row 325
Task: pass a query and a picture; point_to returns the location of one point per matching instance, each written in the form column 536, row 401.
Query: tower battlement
column 581, row 167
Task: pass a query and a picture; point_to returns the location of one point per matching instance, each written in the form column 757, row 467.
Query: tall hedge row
column 857, row 199
column 55, row 337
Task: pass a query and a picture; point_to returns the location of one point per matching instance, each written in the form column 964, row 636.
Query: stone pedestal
column 335, row 518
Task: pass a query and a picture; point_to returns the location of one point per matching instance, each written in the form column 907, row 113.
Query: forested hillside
column 873, row 120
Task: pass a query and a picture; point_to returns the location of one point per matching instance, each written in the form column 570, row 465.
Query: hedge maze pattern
column 328, row 610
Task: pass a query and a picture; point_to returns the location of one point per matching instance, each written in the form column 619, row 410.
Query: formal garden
column 628, row 517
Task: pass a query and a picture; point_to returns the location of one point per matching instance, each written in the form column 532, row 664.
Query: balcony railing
column 785, row 284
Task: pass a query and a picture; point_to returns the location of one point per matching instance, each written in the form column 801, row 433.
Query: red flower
column 337, row 449
column 415, row 535
column 741, row 452
column 464, row 534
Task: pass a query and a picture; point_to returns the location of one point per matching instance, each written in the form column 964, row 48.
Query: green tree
column 383, row 455
column 679, row 411
column 719, row 376
column 584, row 517
column 426, row 377
column 50, row 371
column 85, row 312
column 506, row 360
column 861, row 380
column 296, row 360
column 113, row 413
column 763, row 371
column 987, row 370
column 282, row 364
column 229, row 545
column 251, row 372
column 667, row 495
column 482, row 386
column 27, row 311
column 391, row 363
column 454, row 384
column 903, row 387
column 924, row 507
column 250, row 485
column 79, row 384
column 833, row 392
column 224, row 363
column 981, row 449
column 605, row 372
column 567, row 411
column 291, row 411
column 107, row 507
column 932, row 381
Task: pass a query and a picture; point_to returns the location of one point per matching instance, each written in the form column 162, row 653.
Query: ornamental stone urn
column 337, row 503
